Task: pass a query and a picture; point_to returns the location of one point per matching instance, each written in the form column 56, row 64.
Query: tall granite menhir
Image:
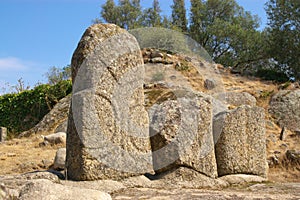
column 108, row 127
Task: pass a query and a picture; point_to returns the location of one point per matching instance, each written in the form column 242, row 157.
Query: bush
column 22, row 111
column 272, row 75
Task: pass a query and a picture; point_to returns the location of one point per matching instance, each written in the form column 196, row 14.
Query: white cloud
column 12, row 64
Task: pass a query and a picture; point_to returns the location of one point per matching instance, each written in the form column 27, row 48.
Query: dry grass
column 24, row 155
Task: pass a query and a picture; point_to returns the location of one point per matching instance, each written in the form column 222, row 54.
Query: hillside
column 25, row 154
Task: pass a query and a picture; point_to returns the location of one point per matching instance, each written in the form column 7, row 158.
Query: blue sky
column 38, row 34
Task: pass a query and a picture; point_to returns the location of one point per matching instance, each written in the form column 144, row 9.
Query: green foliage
column 266, row 94
column 127, row 14
column 179, row 15
column 284, row 34
column 151, row 16
column 227, row 32
column 56, row 75
column 272, row 74
column 22, row 111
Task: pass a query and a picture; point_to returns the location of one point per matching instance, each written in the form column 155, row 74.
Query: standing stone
column 3, row 134
column 241, row 148
column 181, row 134
column 108, row 127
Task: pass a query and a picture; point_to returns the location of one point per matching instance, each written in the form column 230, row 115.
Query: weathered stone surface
column 285, row 108
column 183, row 177
column 293, row 156
column 239, row 179
column 3, row 134
column 62, row 127
column 241, row 148
column 108, row 127
column 209, row 84
column 55, row 138
column 50, row 122
column 181, row 134
column 14, row 183
column 60, row 159
column 45, row 189
column 286, row 191
column 236, row 98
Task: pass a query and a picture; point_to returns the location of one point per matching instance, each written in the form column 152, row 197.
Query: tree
column 109, row 12
column 227, row 32
column 151, row 16
column 284, row 35
column 179, row 15
column 56, row 74
column 127, row 14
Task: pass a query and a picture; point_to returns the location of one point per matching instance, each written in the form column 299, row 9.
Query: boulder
column 108, row 127
column 285, row 108
column 241, row 146
column 60, row 159
column 47, row 190
column 236, row 98
column 181, row 134
column 55, row 138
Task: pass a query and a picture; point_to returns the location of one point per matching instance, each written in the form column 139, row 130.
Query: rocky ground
column 22, row 155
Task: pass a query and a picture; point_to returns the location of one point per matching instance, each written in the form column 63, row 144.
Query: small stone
column 283, row 134
column 273, row 161
column 293, row 156
column 157, row 60
column 209, row 84
column 284, row 145
column 55, row 138
column 3, row 134
column 156, row 54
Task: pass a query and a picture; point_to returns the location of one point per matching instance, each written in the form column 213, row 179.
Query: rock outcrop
column 181, row 134
column 108, row 127
column 236, row 98
column 45, row 189
column 285, row 108
column 241, row 148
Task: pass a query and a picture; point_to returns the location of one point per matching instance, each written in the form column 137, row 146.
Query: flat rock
column 47, row 190
column 242, row 179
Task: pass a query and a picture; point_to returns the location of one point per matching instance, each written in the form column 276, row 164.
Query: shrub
column 22, row 111
column 272, row 75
